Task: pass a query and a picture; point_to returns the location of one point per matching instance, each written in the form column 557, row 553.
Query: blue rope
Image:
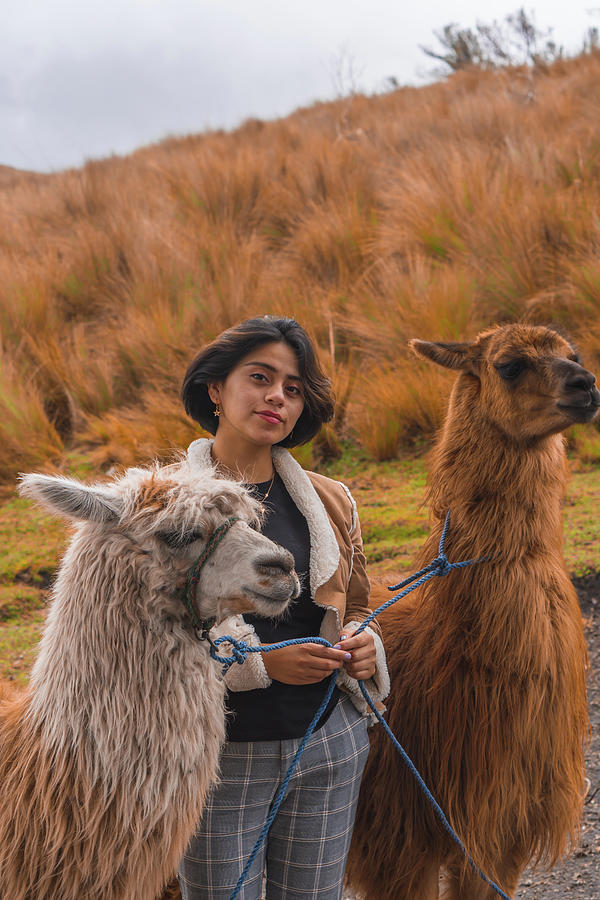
column 438, row 568
column 286, row 781
column 241, row 648
column 437, row 808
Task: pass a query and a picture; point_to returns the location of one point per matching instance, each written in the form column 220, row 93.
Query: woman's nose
column 275, row 394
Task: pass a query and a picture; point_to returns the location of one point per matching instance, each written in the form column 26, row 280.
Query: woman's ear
column 214, row 392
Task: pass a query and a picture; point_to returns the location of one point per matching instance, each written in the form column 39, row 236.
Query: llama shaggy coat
column 487, row 664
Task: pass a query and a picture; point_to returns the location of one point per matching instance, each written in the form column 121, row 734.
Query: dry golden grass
column 427, row 212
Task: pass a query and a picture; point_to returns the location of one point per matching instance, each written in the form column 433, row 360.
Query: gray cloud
column 87, row 79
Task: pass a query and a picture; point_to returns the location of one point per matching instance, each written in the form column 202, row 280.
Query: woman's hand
column 363, row 653
column 304, row 663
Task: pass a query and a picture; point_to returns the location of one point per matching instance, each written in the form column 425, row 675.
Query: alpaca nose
column 274, row 564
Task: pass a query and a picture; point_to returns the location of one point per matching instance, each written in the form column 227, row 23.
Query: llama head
column 156, row 522
column 526, row 380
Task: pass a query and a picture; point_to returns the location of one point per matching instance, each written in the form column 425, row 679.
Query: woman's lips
column 272, row 418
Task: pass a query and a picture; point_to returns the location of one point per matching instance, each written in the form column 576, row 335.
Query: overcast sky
column 85, row 79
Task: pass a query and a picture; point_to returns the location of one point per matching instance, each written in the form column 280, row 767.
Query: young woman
column 258, row 388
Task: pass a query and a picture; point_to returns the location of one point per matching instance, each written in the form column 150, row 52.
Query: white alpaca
column 106, row 759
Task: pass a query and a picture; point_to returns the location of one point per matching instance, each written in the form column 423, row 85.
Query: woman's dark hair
column 217, row 359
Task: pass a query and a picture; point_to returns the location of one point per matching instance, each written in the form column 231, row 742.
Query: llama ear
column 451, row 356
column 66, row 497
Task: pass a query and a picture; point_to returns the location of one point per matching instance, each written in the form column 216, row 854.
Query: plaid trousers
column 304, row 855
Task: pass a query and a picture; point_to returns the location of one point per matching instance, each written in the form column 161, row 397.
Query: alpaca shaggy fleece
column 106, row 758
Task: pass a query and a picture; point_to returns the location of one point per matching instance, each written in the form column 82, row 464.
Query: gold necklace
column 262, row 500
column 226, row 473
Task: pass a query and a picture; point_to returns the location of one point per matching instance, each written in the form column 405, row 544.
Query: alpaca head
column 525, row 380
column 156, row 523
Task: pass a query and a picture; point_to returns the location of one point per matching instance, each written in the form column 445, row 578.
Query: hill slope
column 426, row 212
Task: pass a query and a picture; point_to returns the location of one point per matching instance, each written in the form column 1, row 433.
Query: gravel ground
column 579, row 876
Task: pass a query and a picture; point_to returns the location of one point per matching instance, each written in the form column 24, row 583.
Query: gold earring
column 217, row 410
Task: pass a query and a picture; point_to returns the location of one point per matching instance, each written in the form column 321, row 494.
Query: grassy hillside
column 428, row 212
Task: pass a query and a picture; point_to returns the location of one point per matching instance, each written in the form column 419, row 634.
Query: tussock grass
column 28, row 436
column 429, row 212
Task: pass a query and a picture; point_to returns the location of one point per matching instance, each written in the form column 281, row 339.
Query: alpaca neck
column 122, row 694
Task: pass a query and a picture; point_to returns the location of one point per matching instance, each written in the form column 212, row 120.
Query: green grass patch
column 389, row 497
column 31, row 542
column 18, row 645
column 394, row 523
column 581, row 520
column 17, row 601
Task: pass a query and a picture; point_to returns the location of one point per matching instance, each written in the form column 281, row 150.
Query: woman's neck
column 243, row 461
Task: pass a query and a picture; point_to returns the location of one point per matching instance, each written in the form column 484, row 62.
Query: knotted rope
column 438, row 568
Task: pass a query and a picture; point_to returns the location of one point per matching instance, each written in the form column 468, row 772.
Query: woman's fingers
column 321, row 652
column 303, row 663
column 363, row 654
column 325, row 659
column 309, row 663
column 355, row 641
column 362, row 669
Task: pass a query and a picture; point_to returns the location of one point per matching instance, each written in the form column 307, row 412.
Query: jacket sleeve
column 357, row 610
column 251, row 674
column 359, row 588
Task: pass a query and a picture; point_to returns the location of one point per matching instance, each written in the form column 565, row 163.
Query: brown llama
column 488, row 663
column 106, row 758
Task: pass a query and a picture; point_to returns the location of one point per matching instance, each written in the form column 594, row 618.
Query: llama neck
column 138, row 702
column 515, row 609
column 504, row 497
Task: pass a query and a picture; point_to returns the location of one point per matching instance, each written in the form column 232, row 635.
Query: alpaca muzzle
column 278, row 575
column 277, row 583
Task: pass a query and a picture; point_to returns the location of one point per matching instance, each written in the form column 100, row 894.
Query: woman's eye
column 258, row 376
column 511, row 370
column 292, row 389
column 177, row 541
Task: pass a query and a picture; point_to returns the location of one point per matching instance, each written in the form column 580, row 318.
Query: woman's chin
column 266, row 437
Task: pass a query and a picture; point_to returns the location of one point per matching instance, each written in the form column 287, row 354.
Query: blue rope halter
column 187, row 593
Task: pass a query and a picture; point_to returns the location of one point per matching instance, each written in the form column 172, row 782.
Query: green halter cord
column 187, row 593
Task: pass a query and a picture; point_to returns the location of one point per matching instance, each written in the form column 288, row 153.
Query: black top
column 282, row 711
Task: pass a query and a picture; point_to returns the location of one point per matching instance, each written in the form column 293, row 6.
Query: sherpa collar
column 324, row 548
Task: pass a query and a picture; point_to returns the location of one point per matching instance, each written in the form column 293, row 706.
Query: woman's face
column 262, row 398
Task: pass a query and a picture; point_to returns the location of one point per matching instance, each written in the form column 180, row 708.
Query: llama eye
column 510, row 370
column 178, row 541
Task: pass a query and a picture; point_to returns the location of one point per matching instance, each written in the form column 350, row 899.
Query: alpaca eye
column 511, row 370
column 178, row 541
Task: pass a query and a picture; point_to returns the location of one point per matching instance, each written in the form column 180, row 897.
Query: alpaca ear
column 66, row 497
column 451, row 356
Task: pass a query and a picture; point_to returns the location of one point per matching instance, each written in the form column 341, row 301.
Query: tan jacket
column 338, row 578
